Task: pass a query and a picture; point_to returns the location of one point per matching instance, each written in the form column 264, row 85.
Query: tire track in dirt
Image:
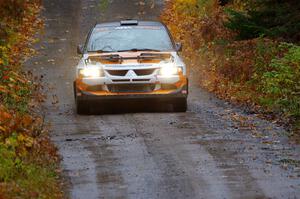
column 198, row 154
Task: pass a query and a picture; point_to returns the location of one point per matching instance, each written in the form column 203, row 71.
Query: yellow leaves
column 199, row 24
column 191, row 2
column 26, row 121
column 14, row 122
column 4, row 118
column 15, row 89
column 17, row 131
column 25, row 140
column 3, row 89
column 2, row 129
column 18, row 77
column 29, row 150
column 4, row 114
column 19, row 143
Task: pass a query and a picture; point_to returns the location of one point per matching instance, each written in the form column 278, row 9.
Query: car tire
column 180, row 105
column 82, row 107
column 74, row 90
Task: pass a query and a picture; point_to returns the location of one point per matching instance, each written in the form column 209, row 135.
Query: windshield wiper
column 112, row 57
column 100, row 51
column 139, row 49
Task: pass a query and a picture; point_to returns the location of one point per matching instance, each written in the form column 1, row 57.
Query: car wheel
column 82, row 107
column 180, row 105
column 74, row 90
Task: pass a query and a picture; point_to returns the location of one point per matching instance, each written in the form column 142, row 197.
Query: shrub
column 257, row 70
column 28, row 160
column 280, row 82
column 271, row 18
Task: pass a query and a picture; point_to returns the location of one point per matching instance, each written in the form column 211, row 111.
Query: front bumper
column 181, row 91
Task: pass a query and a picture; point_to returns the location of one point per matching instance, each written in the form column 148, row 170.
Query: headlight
column 168, row 69
column 91, row 72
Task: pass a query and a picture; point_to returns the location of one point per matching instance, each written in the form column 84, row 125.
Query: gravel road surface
column 214, row 150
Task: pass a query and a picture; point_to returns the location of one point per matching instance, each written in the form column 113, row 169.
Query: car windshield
column 129, row 38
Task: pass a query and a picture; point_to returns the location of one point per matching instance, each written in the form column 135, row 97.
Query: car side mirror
column 80, row 49
column 178, row 47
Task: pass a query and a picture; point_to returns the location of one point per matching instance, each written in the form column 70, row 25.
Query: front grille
column 141, row 72
column 117, row 72
column 131, row 88
column 141, row 80
column 121, row 80
column 138, row 72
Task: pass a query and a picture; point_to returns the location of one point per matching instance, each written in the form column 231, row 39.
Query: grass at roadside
column 262, row 73
column 28, row 160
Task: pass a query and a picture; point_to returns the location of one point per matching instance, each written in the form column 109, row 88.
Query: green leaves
column 280, row 83
column 270, row 18
column 254, row 70
column 27, row 157
column 243, row 24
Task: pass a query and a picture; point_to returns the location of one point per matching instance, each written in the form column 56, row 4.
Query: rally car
column 130, row 60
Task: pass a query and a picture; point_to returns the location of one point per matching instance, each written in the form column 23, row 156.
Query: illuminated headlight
column 91, row 72
column 168, row 69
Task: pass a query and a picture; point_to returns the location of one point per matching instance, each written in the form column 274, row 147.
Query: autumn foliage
column 28, row 159
column 261, row 73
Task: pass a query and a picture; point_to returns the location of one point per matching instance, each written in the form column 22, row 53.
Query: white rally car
column 130, row 60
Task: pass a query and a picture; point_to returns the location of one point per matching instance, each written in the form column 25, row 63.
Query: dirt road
column 212, row 151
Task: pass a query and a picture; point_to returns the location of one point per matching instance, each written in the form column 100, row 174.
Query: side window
column 87, row 39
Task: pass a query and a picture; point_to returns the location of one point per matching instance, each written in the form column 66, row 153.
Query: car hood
column 129, row 58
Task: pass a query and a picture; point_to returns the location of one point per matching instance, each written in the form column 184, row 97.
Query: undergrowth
column 28, row 160
column 260, row 70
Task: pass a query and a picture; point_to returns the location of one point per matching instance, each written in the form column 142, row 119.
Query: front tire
column 74, row 90
column 180, row 105
column 82, row 107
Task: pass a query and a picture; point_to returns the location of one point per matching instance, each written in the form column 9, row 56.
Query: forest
column 244, row 51
column 247, row 51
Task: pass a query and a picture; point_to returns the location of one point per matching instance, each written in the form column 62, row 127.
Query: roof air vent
column 129, row 23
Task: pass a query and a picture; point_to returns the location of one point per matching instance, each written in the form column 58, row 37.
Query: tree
column 273, row 18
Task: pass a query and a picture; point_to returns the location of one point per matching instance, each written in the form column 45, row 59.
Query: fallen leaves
column 55, row 99
column 227, row 67
column 27, row 157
